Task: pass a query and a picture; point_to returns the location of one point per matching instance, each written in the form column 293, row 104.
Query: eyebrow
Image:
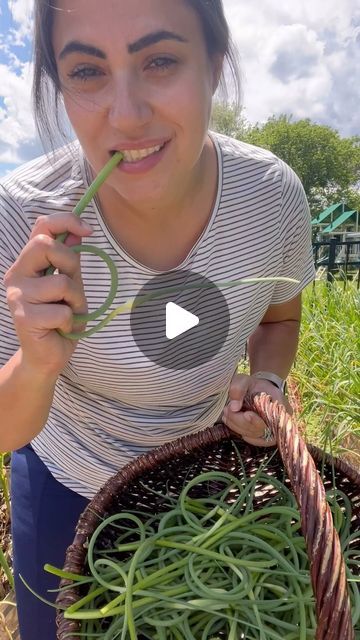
column 154, row 38
column 146, row 41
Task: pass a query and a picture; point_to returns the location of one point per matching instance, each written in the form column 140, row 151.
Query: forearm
column 25, row 401
column 272, row 347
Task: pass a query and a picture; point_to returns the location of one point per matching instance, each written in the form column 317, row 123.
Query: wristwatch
column 271, row 377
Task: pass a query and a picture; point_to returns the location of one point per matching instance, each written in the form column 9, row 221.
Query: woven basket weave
column 168, row 467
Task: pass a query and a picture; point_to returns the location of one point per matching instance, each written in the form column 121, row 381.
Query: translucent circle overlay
column 197, row 295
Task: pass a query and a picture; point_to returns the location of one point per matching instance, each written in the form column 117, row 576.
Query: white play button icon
column 161, row 328
column 178, row 320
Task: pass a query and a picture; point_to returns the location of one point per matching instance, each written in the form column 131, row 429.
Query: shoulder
column 242, row 156
column 41, row 186
column 232, row 148
column 42, row 178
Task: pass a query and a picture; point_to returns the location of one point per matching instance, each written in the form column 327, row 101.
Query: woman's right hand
column 40, row 304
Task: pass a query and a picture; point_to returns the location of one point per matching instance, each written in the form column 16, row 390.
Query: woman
column 136, row 76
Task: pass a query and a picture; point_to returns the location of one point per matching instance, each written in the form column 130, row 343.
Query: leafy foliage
column 229, row 121
column 328, row 165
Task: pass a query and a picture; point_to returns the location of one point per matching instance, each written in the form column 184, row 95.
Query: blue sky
column 300, row 58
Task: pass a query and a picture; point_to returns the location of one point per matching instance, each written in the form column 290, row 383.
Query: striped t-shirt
column 111, row 403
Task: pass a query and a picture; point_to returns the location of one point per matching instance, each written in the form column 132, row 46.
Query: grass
column 327, row 367
column 326, row 374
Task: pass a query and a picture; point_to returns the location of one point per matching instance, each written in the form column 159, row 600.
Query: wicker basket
column 213, row 449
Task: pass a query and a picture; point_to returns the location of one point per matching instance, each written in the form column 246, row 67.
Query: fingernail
column 235, row 405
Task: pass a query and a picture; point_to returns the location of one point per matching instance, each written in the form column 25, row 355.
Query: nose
column 129, row 108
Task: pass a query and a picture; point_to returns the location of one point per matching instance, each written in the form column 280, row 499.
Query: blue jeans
column 44, row 514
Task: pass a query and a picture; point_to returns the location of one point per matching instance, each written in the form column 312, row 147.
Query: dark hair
column 46, row 90
column 218, row 40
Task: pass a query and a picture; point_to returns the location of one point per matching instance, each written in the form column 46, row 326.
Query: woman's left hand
column 247, row 423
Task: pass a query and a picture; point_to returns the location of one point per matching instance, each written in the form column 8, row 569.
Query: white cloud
column 13, row 60
column 16, row 121
column 292, row 51
column 319, row 15
column 22, row 13
column 301, row 58
column 18, row 140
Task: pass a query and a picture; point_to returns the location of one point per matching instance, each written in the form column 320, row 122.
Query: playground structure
column 336, row 226
column 337, row 241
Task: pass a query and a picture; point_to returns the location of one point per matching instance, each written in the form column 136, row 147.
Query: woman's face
column 136, row 77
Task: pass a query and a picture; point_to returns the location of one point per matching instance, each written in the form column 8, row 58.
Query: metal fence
column 338, row 259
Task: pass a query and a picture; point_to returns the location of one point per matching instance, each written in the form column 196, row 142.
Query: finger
column 45, row 317
column 72, row 240
column 58, row 223
column 249, row 426
column 237, row 391
column 53, row 288
column 245, row 423
column 258, row 433
column 41, row 252
column 260, row 386
column 260, row 442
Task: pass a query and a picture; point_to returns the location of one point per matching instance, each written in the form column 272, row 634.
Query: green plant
column 327, row 368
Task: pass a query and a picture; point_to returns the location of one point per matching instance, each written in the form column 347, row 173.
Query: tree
column 229, row 120
column 328, row 165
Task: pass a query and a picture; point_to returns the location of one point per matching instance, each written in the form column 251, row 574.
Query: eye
column 84, row 73
column 161, row 63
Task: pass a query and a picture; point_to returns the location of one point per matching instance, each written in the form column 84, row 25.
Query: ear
column 217, row 67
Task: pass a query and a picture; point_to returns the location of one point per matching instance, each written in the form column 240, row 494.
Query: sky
column 297, row 57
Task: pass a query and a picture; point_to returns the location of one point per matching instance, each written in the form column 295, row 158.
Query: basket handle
column 327, row 567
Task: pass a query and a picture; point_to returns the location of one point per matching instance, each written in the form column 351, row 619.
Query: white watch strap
column 271, row 377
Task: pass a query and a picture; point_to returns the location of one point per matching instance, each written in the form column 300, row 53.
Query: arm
column 39, row 305
column 25, row 400
column 272, row 346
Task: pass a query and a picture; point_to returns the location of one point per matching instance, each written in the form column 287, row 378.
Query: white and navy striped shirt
column 111, row 403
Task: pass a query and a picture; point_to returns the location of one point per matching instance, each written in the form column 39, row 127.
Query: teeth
column 139, row 154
